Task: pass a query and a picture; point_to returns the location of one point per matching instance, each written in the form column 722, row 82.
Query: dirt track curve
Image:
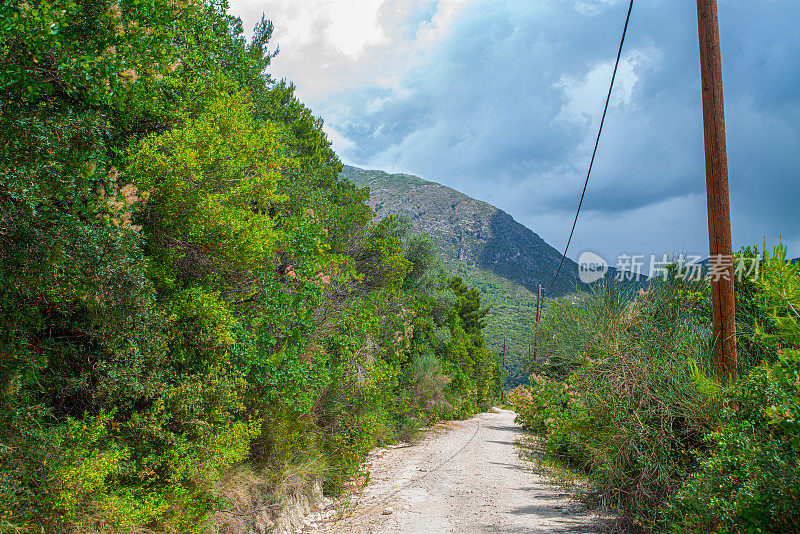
column 467, row 477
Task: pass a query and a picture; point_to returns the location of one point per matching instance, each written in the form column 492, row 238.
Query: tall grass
column 424, row 400
column 621, row 400
column 626, row 395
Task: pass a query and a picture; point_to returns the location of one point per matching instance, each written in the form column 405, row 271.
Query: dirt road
column 465, row 478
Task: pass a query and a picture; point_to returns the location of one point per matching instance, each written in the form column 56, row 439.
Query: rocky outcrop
column 467, row 230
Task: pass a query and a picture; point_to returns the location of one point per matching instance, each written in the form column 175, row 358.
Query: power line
column 596, row 143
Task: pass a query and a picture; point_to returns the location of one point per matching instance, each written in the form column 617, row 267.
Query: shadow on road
column 507, row 428
column 499, row 442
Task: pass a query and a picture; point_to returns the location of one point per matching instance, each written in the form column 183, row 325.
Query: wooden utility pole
column 719, row 219
column 538, row 315
column 503, row 384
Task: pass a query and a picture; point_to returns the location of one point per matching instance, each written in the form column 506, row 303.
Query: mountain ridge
column 468, row 230
column 485, row 246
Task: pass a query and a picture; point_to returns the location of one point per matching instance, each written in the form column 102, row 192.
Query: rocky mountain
column 467, row 230
column 484, row 245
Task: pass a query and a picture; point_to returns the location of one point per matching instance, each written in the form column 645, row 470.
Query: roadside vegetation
column 627, row 397
column 190, row 297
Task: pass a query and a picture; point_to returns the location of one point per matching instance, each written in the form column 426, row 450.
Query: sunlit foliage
column 187, row 288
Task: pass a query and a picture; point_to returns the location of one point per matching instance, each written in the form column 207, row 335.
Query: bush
column 539, row 404
column 624, row 407
column 751, row 480
column 190, row 293
column 628, row 400
column 425, row 398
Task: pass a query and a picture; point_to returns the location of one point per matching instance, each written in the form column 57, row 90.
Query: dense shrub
column 751, row 480
column 539, row 404
column 620, row 403
column 189, row 293
column 627, row 397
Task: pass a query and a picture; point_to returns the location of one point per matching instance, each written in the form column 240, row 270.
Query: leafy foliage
column 750, row 481
column 620, row 404
column 627, row 397
column 188, row 288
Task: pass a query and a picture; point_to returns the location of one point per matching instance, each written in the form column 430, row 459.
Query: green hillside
column 484, row 245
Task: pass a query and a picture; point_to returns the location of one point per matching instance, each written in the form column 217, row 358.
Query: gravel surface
column 464, row 477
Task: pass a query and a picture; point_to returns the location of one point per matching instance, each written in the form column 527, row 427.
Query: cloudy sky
column 501, row 99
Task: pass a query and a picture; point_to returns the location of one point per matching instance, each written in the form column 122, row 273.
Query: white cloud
column 330, row 46
column 585, row 96
column 593, row 7
column 346, row 26
column 501, row 99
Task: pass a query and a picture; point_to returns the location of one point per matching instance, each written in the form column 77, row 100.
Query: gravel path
column 466, row 477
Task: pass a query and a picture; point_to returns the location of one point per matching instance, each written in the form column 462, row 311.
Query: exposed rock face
column 467, row 230
column 486, row 247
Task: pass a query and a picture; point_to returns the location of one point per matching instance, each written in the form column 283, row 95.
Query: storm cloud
column 501, row 99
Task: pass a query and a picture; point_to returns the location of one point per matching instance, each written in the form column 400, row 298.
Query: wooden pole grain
column 538, row 315
column 719, row 221
column 503, row 385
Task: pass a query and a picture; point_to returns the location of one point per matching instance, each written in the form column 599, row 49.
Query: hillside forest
column 487, row 248
column 189, row 293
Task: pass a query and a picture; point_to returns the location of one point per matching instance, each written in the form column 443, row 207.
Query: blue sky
column 501, row 99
